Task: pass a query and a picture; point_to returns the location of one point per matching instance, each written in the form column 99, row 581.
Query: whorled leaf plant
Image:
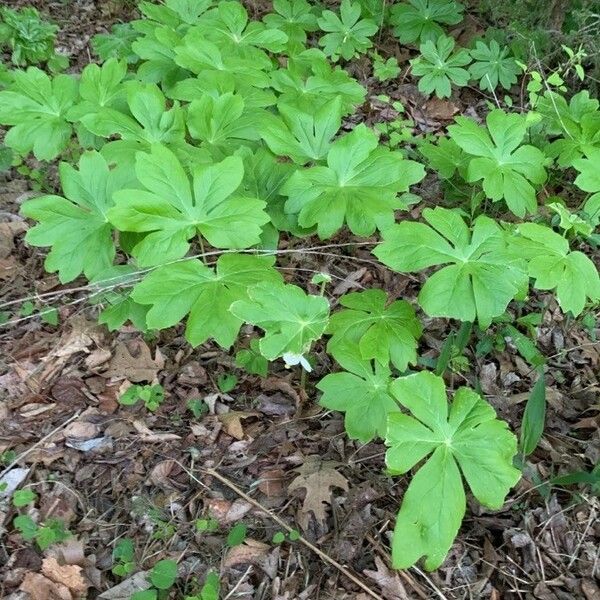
column 216, row 135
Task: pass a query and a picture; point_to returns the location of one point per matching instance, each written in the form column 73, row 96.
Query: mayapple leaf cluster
column 203, row 137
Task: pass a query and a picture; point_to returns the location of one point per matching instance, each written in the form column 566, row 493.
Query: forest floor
column 266, row 452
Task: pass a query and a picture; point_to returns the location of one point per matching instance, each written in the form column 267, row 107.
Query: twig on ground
column 285, row 526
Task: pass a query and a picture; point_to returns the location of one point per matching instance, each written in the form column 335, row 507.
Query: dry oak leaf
column 132, row 361
column 318, row 478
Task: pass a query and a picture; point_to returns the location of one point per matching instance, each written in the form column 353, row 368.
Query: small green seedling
column 123, row 558
column 151, row 395
column 226, row 382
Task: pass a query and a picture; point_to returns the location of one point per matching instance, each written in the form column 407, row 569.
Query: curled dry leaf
column 232, row 422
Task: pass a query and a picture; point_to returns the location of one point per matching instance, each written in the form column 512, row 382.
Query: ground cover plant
column 203, row 145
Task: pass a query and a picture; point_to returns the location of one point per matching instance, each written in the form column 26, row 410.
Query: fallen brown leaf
column 232, row 422
column 68, row 575
column 132, row 361
column 318, row 478
column 41, row 588
column 390, row 584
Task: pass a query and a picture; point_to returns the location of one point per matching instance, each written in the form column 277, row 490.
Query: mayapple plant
column 202, row 137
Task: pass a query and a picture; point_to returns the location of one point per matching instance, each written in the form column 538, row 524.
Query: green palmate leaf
column 118, row 306
column 348, row 34
column 589, row 181
column 377, row 330
column 29, row 37
column 201, row 57
column 76, row 227
column 438, row 67
column 493, row 66
column 481, row 278
column 303, row 136
column 221, row 122
column 100, row 87
column 554, row 266
column 117, row 43
column 264, row 176
column 577, row 123
column 463, row 438
column 359, row 186
column 507, row 168
column 191, row 288
column 232, row 32
column 362, row 393
column 291, row 319
column 35, row 107
column 150, row 123
column 445, row 157
column 384, row 70
column 156, row 48
column 419, row 20
column 294, row 18
column 310, row 81
column 172, row 211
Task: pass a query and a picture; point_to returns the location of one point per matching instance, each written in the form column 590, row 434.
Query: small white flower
column 291, row 359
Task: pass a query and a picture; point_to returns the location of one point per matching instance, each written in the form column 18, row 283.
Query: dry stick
column 37, row 444
column 285, row 526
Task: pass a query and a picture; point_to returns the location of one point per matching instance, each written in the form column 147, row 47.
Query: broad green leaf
column 438, row 67
column 294, row 18
column 303, row 136
column 26, row 526
column 113, row 287
column 493, row 66
column 237, row 534
column 554, row 266
column 231, row 31
column 23, row 497
column 419, row 20
column 222, row 122
column 99, row 87
column 480, row 279
column 35, row 108
column 200, row 56
column 348, row 34
column 445, row 157
column 534, row 417
column 359, row 186
column 310, row 81
column 149, row 123
column 508, row 169
column 378, row 330
column 465, row 438
column 156, row 48
column 76, row 227
column 163, row 574
column 576, row 122
column 362, row 393
column 589, row 181
column 172, row 211
column 291, row 319
column 116, row 44
column 191, row 288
